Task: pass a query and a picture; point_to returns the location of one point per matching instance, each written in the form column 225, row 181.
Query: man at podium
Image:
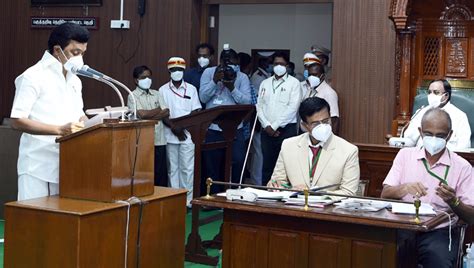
column 48, row 103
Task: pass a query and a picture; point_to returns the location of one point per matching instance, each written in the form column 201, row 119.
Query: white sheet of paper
column 404, row 208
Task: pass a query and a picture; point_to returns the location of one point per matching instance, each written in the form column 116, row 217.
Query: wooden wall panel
column 363, row 68
column 166, row 30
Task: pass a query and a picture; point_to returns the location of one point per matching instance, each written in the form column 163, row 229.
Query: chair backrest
column 461, row 98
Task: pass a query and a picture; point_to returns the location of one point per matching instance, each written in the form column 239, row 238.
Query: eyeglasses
column 317, row 123
column 436, row 92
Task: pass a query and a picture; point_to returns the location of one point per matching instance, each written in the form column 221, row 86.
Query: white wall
column 270, row 26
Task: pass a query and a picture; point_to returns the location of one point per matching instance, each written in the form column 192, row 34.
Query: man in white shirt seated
column 439, row 96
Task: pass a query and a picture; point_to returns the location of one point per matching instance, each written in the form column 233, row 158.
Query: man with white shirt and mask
column 439, row 95
column 315, row 85
column 48, row 103
column 277, row 105
column 181, row 98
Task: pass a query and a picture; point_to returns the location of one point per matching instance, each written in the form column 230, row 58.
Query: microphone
column 92, row 71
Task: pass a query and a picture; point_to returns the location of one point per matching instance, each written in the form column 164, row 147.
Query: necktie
column 314, row 160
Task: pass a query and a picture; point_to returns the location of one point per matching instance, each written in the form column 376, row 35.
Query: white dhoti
column 180, row 159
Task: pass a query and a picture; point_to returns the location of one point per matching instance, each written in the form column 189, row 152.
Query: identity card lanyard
column 275, row 88
column 176, row 93
column 444, row 181
column 312, row 169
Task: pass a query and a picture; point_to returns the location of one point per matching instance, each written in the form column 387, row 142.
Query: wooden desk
column 62, row 232
column 270, row 234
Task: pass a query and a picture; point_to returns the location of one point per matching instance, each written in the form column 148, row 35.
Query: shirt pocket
column 284, row 96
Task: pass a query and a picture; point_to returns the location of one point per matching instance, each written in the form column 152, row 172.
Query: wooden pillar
column 405, row 39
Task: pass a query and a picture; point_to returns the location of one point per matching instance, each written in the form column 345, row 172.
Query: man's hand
column 230, row 85
column 446, row 193
column 218, row 76
column 70, row 128
column 415, row 188
column 162, row 114
column 179, row 132
column 278, row 184
column 269, row 130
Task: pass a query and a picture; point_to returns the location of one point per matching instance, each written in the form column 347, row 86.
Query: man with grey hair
column 439, row 177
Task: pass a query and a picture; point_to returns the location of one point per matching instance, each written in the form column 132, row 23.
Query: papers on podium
column 366, row 205
column 99, row 118
column 263, row 194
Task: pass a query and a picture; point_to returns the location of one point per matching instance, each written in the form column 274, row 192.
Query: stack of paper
column 264, row 194
column 405, row 208
column 313, row 201
column 362, row 204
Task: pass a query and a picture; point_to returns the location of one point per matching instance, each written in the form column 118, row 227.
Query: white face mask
column 144, row 83
column 177, row 76
column 322, row 132
column 73, row 64
column 433, row 145
column 279, row 70
column 314, row 81
column 203, row 62
column 434, row 100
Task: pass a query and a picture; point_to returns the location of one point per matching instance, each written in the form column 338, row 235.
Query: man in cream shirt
column 277, row 105
column 317, row 157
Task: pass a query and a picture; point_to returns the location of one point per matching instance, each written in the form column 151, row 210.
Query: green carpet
column 207, row 232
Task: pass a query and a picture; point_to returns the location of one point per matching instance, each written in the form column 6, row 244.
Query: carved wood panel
column 457, row 57
column 367, row 254
column 284, row 248
column 431, row 56
column 243, row 237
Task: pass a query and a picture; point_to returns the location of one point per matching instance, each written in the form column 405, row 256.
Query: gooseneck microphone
column 87, row 71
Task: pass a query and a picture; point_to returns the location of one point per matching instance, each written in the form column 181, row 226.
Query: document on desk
column 313, row 201
column 263, row 194
column 366, row 205
column 406, row 208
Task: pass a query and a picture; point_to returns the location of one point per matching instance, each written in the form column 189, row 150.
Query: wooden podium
column 228, row 117
column 88, row 225
column 108, row 162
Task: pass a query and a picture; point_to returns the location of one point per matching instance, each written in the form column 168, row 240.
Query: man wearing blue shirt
column 224, row 85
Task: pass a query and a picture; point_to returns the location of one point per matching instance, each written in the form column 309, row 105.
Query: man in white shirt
column 277, row 105
column 315, row 86
column 48, row 103
column 182, row 99
column 439, row 96
column 263, row 72
column 150, row 105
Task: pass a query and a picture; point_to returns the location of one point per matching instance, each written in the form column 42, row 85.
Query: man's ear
column 421, row 132
column 303, row 126
column 449, row 135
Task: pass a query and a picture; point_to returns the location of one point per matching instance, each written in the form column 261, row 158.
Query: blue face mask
column 306, row 74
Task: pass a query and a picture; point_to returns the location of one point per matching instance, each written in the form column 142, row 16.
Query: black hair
column 311, row 106
column 281, row 54
column 446, row 86
column 438, row 113
column 244, row 60
column 137, row 71
column 291, row 65
column 205, row 45
column 64, row 33
column 228, row 54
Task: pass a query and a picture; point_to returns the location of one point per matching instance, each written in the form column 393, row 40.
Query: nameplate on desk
column 51, row 22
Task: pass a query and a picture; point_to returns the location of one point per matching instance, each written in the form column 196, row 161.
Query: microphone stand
column 122, row 103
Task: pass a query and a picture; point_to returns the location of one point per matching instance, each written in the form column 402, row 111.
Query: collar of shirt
column 172, row 86
column 283, row 78
column 320, row 144
column 264, row 72
column 144, row 92
column 49, row 61
column 445, row 158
